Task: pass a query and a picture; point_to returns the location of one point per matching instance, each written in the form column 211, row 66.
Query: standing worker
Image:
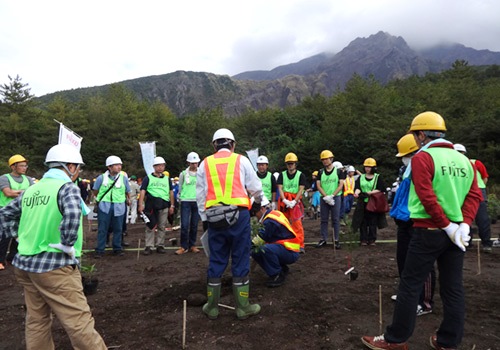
column 50, row 238
column 291, row 184
column 482, row 219
column 189, row 208
column 349, row 183
column 157, row 193
column 223, row 182
column 268, row 180
column 443, row 201
column 135, row 190
column 330, row 183
column 11, row 186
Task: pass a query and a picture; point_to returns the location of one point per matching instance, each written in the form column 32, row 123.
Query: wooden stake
column 478, row 259
column 184, row 326
column 380, row 307
column 138, row 249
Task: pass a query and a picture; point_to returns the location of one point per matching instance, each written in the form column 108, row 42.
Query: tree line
column 365, row 119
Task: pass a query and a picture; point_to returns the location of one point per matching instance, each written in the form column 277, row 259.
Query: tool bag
column 377, row 202
column 222, row 216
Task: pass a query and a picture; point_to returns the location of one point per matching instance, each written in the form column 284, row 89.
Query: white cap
column 223, row 134
column 459, row 147
column 63, row 153
column 159, row 160
column 193, row 157
column 112, row 160
column 262, row 160
column 337, row 165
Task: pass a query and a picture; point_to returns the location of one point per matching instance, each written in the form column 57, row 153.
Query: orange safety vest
column 223, row 180
column 349, row 185
column 292, row 244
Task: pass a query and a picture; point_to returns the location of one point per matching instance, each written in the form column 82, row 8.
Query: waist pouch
column 222, row 216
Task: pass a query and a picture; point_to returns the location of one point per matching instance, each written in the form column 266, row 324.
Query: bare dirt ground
column 139, row 301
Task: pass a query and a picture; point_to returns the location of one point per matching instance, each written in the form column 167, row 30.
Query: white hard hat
column 159, row 160
column 337, row 165
column 63, row 153
column 193, row 157
column 223, row 134
column 112, row 160
column 459, row 147
column 350, row 168
column 262, row 160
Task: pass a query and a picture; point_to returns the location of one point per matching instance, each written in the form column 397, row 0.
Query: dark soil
column 139, row 300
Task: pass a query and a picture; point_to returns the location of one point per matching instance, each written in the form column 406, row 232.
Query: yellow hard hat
column 176, row 178
column 315, row 173
column 16, row 158
column 326, row 154
column 166, row 173
column 428, row 121
column 370, row 162
column 406, row 145
column 291, row 157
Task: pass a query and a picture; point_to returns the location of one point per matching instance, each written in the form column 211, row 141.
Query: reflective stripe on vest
column 292, row 244
column 223, row 180
column 349, row 185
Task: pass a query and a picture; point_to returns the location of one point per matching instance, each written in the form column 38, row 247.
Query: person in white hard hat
column 189, row 207
column 267, row 179
column 112, row 195
column 223, row 184
column 50, row 237
column 156, row 200
column 349, row 183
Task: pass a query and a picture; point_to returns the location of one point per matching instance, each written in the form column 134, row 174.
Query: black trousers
column 426, row 247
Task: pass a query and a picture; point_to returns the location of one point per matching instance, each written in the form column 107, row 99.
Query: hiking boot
column 147, row 251
column 320, row 244
column 434, row 344
column 194, row 250
column 276, row 280
column 379, row 343
column 423, row 311
column 160, row 250
column 181, row 251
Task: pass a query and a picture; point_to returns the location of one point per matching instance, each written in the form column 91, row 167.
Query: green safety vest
column 159, row 187
column 367, row 186
column 291, row 185
column 267, row 186
column 480, row 181
column 329, row 183
column 188, row 191
column 453, row 175
column 15, row 186
column 40, row 219
column 115, row 195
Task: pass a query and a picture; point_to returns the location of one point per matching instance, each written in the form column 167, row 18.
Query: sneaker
column 98, row 255
column 125, row 244
column 181, row 251
column 194, row 250
column 118, row 253
column 487, row 249
column 364, row 243
column 337, row 245
column 372, row 243
column 276, row 280
column 160, row 250
column 423, row 311
column 496, row 243
column 394, row 297
column 320, row 244
column 434, row 344
column 147, row 251
column 379, row 343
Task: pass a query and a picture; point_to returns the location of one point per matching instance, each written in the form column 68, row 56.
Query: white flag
column 148, row 151
column 253, row 154
column 68, row 137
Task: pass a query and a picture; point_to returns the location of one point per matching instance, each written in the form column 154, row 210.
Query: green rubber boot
column 244, row 309
column 211, row 308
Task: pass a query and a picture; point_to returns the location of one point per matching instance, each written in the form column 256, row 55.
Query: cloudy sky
column 62, row 44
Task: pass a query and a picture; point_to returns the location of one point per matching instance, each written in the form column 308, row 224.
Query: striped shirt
column 68, row 200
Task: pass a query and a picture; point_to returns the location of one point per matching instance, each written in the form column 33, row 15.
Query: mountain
column 382, row 55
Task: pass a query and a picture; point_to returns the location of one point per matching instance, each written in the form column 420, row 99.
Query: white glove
column 329, row 200
column 65, row 248
column 451, row 231
column 287, row 203
column 258, row 241
column 293, row 204
column 463, row 234
column 273, row 205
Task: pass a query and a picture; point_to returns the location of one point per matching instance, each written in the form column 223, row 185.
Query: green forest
column 365, row 119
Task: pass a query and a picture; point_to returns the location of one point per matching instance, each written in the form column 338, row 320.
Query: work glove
column 257, row 241
column 451, row 231
column 329, row 200
column 273, row 205
column 70, row 250
column 293, row 204
column 287, row 203
column 205, row 225
column 463, row 234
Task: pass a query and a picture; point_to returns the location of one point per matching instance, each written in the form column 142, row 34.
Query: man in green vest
column 443, row 201
column 47, row 220
column 11, row 186
column 267, row 179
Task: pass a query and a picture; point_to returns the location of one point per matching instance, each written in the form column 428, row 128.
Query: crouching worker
column 276, row 246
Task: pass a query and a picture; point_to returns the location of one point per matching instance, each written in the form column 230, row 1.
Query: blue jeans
column 483, row 221
column 189, row 224
column 333, row 211
column 104, row 222
column 348, row 202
